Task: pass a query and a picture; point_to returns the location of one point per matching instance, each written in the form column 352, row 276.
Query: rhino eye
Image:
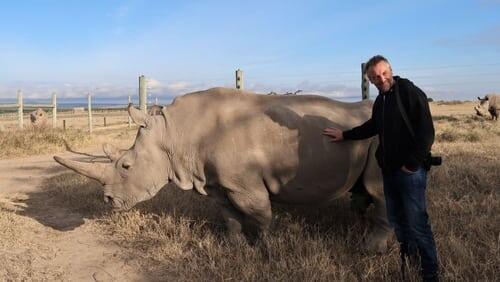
column 125, row 165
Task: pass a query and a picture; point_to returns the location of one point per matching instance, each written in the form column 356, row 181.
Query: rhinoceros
column 490, row 103
column 38, row 119
column 245, row 151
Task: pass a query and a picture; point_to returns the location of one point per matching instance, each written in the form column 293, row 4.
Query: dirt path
column 41, row 240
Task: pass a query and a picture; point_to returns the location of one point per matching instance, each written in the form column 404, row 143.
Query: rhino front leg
column 256, row 208
column 234, row 221
column 232, row 217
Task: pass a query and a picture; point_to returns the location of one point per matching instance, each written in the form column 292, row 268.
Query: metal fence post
column 239, row 79
column 20, row 108
column 365, row 83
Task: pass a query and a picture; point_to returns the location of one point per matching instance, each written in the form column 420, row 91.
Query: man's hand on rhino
column 334, row 133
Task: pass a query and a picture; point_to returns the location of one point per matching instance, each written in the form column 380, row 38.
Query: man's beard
column 383, row 87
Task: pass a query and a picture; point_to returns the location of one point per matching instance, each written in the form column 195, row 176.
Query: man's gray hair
column 375, row 60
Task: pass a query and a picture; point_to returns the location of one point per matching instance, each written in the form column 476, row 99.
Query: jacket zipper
column 384, row 165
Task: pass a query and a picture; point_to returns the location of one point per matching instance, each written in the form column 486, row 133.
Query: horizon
column 75, row 48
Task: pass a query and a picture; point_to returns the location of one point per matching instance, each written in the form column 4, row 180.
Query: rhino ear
column 169, row 122
column 166, row 115
column 111, row 152
column 137, row 116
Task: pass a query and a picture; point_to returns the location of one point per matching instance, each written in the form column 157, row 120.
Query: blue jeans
column 407, row 213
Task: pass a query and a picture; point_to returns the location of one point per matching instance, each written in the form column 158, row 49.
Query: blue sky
column 451, row 49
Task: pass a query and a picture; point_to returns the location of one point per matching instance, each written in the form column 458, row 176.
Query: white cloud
column 178, row 86
column 122, row 11
column 154, row 84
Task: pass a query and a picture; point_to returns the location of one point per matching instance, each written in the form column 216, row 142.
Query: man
column 401, row 155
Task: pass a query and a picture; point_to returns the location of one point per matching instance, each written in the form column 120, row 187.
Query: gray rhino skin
column 155, row 110
column 488, row 104
column 245, row 151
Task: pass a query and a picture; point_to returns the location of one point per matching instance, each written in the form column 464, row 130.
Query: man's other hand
column 334, row 133
column 407, row 170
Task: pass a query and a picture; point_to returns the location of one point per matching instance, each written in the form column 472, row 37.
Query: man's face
column 381, row 76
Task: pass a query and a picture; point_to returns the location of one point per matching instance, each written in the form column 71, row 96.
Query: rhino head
column 132, row 175
column 38, row 119
column 482, row 108
column 37, row 115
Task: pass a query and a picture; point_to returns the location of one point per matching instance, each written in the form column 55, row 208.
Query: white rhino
column 245, row 151
column 490, row 103
column 39, row 119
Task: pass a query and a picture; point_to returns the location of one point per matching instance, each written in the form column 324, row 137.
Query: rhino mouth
column 115, row 203
column 119, row 204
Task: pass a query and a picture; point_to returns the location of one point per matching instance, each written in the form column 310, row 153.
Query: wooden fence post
column 239, row 79
column 20, row 108
column 54, row 110
column 129, row 118
column 104, row 121
column 365, row 83
column 143, row 95
column 64, row 124
column 90, row 112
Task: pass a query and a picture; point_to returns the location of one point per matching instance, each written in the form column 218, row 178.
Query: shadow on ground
column 63, row 202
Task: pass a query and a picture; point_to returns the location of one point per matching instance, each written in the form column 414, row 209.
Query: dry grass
column 23, row 143
column 450, row 129
column 452, row 102
column 35, row 142
column 180, row 236
column 20, row 143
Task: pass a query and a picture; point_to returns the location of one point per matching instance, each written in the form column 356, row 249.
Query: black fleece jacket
column 397, row 147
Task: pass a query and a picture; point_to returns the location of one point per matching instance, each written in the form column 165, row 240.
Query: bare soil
column 52, row 241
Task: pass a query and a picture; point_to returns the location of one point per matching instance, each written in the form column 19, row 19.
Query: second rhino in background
column 488, row 104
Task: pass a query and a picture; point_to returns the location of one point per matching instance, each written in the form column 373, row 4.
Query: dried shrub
column 33, row 142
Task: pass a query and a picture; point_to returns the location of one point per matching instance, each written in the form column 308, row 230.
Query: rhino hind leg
column 372, row 180
column 494, row 113
column 360, row 198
